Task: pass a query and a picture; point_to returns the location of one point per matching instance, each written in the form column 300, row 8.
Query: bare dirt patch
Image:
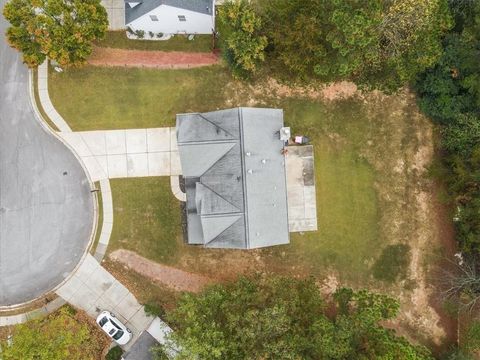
column 178, row 280
column 151, row 59
column 340, row 90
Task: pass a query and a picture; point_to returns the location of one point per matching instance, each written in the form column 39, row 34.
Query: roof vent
column 264, row 161
column 250, row 171
column 248, row 153
column 285, row 133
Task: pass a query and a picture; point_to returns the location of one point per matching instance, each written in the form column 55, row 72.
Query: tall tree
column 283, row 318
column 62, row 30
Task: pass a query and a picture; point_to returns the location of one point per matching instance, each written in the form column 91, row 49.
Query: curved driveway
column 46, row 208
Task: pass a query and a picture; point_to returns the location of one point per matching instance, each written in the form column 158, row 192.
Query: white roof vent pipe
column 285, row 133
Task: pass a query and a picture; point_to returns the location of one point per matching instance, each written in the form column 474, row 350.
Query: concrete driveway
column 46, row 208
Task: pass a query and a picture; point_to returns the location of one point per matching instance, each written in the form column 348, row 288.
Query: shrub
column 151, row 33
column 154, row 309
column 242, row 45
column 114, row 353
column 140, row 34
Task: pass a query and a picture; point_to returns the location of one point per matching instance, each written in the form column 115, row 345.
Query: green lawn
column 119, row 40
column 98, row 98
column 360, row 199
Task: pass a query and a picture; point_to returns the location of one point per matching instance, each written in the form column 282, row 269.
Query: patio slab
column 302, row 203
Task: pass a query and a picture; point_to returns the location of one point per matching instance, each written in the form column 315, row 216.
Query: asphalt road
column 46, row 208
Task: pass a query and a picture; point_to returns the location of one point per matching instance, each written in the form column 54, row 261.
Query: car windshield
column 103, row 321
column 118, row 335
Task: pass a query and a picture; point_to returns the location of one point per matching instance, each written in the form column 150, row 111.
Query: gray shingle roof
column 145, row 6
column 235, row 177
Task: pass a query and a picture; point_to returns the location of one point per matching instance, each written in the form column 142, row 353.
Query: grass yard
column 97, row 98
column 377, row 214
column 119, row 40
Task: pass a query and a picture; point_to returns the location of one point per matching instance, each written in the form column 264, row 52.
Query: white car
column 114, row 328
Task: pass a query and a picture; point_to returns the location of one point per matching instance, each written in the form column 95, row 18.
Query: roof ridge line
column 211, row 122
column 208, row 142
column 220, row 196
column 221, row 215
column 244, row 182
column 234, row 143
column 216, row 237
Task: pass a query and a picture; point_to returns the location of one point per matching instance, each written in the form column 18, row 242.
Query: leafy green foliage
column 154, row 309
column 158, row 353
column 452, row 86
column 377, row 43
column 285, row 318
column 472, row 339
column 393, row 263
column 114, row 353
column 450, row 93
column 58, row 29
column 59, row 336
column 243, row 46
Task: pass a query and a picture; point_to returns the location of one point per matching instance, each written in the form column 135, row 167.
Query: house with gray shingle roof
column 171, row 16
column 233, row 162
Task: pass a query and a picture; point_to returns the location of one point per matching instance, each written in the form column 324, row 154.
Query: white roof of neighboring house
column 142, row 7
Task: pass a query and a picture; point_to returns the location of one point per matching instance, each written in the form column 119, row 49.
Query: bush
column 159, row 35
column 242, row 45
column 114, row 353
column 154, row 309
column 472, row 338
column 152, row 34
column 140, row 34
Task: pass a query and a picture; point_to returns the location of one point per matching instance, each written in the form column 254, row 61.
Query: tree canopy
column 449, row 93
column 243, row 45
column 59, row 336
column 62, row 30
column 377, row 43
column 284, row 318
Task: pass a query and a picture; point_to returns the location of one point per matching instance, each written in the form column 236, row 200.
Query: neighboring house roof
column 141, row 349
column 145, row 6
column 235, row 179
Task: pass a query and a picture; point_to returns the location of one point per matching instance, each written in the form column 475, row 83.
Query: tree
column 377, row 43
column 449, row 93
column 410, row 34
column 284, row 318
column 243, row 46
column 62, row 30
column 59, row 336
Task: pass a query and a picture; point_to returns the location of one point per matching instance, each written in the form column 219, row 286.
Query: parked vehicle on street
column 114, row 328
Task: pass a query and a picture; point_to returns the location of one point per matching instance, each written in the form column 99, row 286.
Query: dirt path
column 151, row 59
column 178, row 280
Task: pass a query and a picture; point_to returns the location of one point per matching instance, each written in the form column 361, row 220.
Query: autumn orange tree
column 62, row 30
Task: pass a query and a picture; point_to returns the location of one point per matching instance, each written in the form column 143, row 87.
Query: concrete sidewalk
column 94, row 289
column 126, row 153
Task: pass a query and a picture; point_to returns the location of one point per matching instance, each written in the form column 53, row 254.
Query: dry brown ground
column 175, row 279
column 151, row 59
